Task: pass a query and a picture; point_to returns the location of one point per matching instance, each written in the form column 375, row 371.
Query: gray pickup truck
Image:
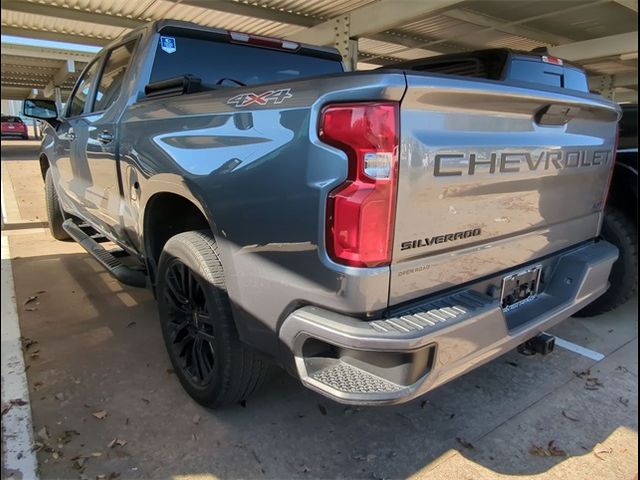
column 377, row 234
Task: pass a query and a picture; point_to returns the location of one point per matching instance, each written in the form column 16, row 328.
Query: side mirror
column 41, row 109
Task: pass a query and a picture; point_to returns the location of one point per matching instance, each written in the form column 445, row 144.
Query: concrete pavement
column 99, row 353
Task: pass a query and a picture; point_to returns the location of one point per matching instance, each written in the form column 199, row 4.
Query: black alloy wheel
column 190, row 326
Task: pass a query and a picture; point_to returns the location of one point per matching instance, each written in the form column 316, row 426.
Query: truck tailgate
column 492, row 176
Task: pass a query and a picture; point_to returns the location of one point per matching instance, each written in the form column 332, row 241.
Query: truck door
column 73, row 174
column 96, row 142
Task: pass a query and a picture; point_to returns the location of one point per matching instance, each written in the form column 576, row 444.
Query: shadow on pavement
column 99, row 348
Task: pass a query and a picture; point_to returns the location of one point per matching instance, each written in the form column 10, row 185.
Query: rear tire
column 621, row 231
column 54, row 210
column 212, row 364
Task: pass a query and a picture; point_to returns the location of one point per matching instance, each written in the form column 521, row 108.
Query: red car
column 14, row 127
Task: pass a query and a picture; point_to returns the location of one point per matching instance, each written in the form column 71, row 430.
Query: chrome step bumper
column 396, row 359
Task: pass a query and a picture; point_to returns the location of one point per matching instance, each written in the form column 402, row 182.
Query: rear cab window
column 217, row 62
column 534, row 70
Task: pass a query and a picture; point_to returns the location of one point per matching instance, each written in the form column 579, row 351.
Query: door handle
column 69, row 135
column 105, row 137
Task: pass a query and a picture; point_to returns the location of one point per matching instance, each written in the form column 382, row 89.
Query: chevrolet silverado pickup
column 376, row 234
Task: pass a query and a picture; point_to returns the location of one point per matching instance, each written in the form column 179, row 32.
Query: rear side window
column 221, row 63
column 79, row 97
column 113, row 75
column 541, row 73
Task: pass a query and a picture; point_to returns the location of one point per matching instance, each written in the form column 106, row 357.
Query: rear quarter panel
column 261, row 176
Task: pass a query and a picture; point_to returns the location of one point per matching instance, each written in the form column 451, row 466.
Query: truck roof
column 158, row 26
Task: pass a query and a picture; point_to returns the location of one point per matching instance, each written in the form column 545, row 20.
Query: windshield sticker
column 272, row 96
column 168, row 44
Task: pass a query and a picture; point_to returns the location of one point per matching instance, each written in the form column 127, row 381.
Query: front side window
column 79, row 98
column 113, row 76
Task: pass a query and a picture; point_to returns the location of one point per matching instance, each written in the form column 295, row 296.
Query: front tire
column 212, row 364
column 619, row 230
column 54, row 210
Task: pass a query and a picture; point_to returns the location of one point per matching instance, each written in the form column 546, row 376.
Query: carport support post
column 606, row 87
column 342, row 41
column 58, row 98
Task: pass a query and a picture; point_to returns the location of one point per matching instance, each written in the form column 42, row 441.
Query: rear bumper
column 396, row 359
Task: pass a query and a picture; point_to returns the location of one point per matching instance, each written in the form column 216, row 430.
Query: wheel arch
column 167, row 213
column 623, row 193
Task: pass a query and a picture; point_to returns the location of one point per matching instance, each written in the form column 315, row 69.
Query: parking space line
column 17, row 429
column 580, row 350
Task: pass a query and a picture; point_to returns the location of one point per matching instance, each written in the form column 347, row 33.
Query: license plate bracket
column 520, row 287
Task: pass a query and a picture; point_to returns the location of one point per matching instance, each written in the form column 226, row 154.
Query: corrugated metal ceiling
column 521, row 25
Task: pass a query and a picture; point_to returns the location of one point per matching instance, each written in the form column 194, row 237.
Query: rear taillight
column 360, row 212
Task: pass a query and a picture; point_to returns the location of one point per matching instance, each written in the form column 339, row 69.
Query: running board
column 123, row 273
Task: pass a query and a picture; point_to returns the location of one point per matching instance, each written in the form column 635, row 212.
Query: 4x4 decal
column 250, row 98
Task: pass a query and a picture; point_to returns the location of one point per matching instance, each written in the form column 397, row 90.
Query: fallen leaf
column 464, row 443
column 55, row 455
column 43, row 433
column 29, row 300
column 78, row 463
column 550, row 451
column 582, row 373
column 322, row 408
column 114, row 476
column 624, row 401
column 170, row 371
column 194, row 436
column 602, row 450
column 67, row 436
column 146, row 401
column 59, row 396
column 27, row 343
column 100, row 414
column 566, row 415
column 196, row 419
column 555, row 451
column 96, row 454
column 18, row 402
column 131, row 324
column 538, row 451
column 593, row 383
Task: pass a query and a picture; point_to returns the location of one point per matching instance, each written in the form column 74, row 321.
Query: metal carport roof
column 601, row 35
